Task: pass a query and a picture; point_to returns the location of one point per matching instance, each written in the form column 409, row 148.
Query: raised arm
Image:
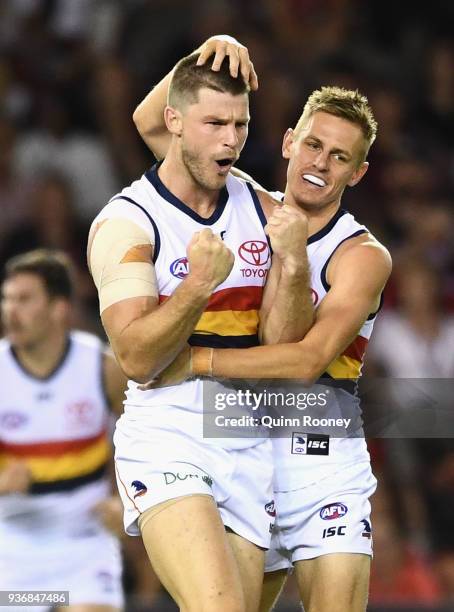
column 149, row 115
column 144, row 335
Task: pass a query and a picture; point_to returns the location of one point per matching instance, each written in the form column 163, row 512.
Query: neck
column 42, row 358
column 176, row 177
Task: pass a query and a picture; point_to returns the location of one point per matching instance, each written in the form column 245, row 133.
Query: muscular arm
column 149, row 118
column 356, row 280
column 287, row 312
column 144, row 335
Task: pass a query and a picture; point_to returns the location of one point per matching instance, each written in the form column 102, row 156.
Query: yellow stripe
column 228, row 323
column 69, row 465
column 344, row 367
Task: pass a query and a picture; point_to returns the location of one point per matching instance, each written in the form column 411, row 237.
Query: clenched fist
column 287, row 228
column 210, row 261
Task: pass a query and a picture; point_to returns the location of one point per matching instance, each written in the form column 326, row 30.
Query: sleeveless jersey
column 230, row 319
column 293, row 470
column 57, row 426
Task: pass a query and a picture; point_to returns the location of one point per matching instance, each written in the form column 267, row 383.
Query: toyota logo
column 254, row 252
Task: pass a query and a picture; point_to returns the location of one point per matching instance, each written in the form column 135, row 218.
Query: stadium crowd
column 71, row 74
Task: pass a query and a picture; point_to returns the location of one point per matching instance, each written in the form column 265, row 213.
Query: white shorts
column 331, row 516
column 152, row 471
column 88, row 567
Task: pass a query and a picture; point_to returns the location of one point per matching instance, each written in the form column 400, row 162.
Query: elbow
column 138, row 120
column 142, row 122
column 134, row 367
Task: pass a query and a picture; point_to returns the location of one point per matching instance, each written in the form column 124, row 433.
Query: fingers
column 253, row 78
column 206, row 51
column 287, row 212
column 239, row 60
column 206, row 235
column 220, row 53
column 247, row 69
column 234, row 61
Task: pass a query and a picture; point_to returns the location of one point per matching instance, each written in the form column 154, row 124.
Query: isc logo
column 317, row 444
column 180, row 267
column 329, row 532
column 333, row 511
column 310, row 444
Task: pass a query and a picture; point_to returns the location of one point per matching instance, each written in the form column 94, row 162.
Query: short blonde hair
column 344, row 103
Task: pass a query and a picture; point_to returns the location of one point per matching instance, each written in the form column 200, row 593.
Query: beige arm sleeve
column 120, row 261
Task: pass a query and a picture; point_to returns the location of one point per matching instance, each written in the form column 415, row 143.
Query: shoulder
column 365, row 257
column 366, row 246
column 130, row 203
column 268, row 201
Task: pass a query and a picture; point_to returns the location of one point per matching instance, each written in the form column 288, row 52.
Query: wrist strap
column 201, row 361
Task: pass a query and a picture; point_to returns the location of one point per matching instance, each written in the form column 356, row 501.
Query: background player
column 54, row 442
column 326, row 153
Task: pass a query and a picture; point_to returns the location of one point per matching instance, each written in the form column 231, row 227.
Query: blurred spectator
column 14, row 193
column 52, row 222
column 400, row 574
column 419, row 328
column 78, row 156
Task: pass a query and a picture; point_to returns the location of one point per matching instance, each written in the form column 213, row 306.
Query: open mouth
column 314, row 180
column 225, row 164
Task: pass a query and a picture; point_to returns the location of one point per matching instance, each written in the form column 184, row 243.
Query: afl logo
column 180, row 268
column 254, row 252
column 333, row 511
column 314, row 297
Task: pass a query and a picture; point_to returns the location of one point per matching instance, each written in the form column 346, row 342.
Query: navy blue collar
column 51, row 374
column 328, row 227
column 153, row 177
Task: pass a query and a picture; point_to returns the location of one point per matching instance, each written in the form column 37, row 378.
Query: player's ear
column 358, row 174
column 61, row 310
column 173, row 120
column 289, row 138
